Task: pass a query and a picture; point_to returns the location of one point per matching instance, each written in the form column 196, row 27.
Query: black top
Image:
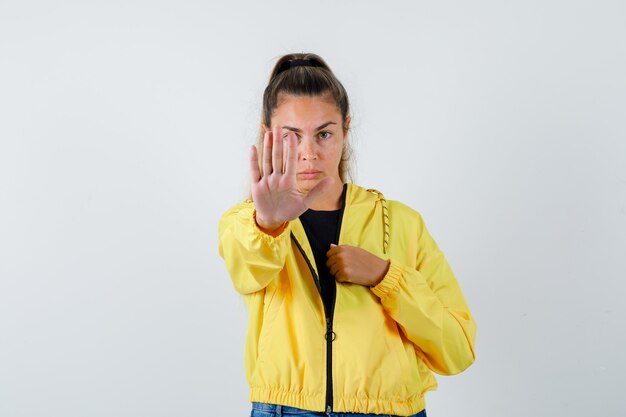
column 322, row 228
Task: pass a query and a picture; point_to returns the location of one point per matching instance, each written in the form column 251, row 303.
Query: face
column 317, row 123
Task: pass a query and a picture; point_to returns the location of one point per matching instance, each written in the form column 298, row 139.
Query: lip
column 309, row 174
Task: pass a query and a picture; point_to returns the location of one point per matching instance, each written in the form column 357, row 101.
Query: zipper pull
column 328, row 409
column 330, row 334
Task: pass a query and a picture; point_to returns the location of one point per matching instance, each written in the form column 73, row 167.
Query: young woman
column 351, row 303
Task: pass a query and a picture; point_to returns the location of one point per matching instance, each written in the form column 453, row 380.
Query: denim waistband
column 283, row 409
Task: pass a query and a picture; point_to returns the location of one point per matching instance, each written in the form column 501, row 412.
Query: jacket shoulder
column 404, row 209
column 398, row 208
column 242, row 209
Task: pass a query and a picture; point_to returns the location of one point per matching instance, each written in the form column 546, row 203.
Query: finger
column 277, row 152
column 335, row 267
column 321, row 187
column 255, row 174
column 332, row 261
column 292, row 155
column 333, row 250
column 342, row 276
column 267, row 154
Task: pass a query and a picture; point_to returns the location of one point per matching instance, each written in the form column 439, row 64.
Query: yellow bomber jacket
column 384, row 341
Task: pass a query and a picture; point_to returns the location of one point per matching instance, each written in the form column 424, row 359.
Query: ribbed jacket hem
column 342, row 404
column 291, row 399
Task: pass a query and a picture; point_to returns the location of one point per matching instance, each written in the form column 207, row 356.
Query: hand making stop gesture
column 275, row 192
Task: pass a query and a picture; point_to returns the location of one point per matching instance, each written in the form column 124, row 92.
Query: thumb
column 321, row 187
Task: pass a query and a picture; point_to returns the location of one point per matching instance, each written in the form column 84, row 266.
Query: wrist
column 384, row 269
column 268, row 227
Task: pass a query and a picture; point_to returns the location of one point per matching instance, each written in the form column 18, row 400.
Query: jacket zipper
column 330, row 335
column 330, row 338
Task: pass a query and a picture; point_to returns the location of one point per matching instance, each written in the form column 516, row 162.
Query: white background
column 124, row 132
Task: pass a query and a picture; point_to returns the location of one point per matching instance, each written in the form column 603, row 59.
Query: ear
column 264, row 127
column 346, row 127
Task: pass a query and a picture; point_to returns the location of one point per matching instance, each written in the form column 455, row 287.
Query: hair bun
column 298, row 62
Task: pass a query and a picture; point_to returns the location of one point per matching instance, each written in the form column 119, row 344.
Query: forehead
column 305, row 110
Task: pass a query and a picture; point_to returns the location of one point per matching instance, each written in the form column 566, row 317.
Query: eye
column 325, row 135
column 286, row 134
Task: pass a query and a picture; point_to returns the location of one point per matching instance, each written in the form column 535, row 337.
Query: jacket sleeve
column 428, row 305
column 253, row 258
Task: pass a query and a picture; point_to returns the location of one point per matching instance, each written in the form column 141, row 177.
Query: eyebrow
column 295, row 129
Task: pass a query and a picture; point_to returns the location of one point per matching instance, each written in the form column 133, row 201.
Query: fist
column 355, row 265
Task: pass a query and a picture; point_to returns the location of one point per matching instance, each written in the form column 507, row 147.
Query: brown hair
column 306, row 74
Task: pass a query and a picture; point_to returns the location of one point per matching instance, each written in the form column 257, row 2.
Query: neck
column 330, row 200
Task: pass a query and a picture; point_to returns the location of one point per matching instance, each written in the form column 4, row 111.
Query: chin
column 306, row 186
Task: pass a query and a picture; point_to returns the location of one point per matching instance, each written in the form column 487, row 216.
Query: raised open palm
column 275, row 192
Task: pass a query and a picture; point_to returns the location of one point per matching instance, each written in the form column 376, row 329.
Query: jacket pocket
column 272, row 306
column 411, row 377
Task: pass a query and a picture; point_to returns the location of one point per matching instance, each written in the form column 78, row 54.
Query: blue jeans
column 271, row 410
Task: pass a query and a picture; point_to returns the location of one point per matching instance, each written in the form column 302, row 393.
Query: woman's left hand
column 355, row 265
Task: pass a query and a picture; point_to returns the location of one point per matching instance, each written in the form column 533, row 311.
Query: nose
column 307, row 149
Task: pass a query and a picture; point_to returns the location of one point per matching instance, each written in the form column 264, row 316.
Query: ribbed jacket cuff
column 275, row 234
column 390, row 281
